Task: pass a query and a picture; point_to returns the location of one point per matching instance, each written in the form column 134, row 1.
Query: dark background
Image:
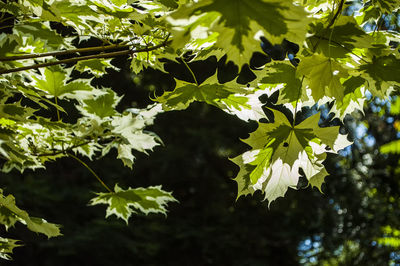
column 208, row 226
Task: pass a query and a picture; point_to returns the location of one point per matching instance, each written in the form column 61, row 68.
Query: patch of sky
column 395, row 257
column 368, row 95
column 308, row 248
column 360, row 131
column 370, row 140
column 345, row 152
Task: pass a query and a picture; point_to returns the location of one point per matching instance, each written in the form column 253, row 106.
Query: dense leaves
column 53, row 51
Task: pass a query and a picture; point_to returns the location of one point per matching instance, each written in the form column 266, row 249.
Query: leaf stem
column 191, row 72
column 2, row 19
column 58, row 112
column 6, row 26
column 91, row 170
column 298, row 98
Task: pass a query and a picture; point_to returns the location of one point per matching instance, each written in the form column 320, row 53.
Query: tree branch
column 338, row 11
column 76, row 59
column 55, row 53
column 63, row 151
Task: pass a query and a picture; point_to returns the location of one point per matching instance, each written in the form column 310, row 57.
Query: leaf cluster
column 312, row 53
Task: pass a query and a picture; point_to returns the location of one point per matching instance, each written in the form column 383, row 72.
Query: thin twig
column 298, row 98
column 58, row 112
column 6, row 26
column 2, row 20
column 191, row 72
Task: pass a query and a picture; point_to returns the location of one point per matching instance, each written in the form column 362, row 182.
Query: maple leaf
column 323, row 76
column 95, row 66
column 123, row 203
column 132, row 137
column 102, row 105
column 279, row 150
column 382, row 74
column 230, row 97
column 54, row 81
column 339, row 42
column 282, row 76
column 10, row 214
column 237, row 23
column 6, row 246
column 353, row 100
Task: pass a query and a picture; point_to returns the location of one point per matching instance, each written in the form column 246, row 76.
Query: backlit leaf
column 123, row 203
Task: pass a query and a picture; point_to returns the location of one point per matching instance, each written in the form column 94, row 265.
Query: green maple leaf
column 340, row 41
column 279, row 150
column 231, row 97
column 237, row 22
column 323, row 76
column 10, row 214
column 353, row 100
column 123, row 203
column 69, row 12
column 97, row 67
column 387, row 6
column 283, row 76
column 210, row 91
column 6, row 247
column 381, row 74
column 54, row 82
column 132, row 137
column 15, row 111
column 39, row 36
column 101, row 105
column 395, row 106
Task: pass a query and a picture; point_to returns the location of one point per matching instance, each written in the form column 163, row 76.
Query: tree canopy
column 281, row 64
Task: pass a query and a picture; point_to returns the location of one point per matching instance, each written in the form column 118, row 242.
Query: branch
column 65, row 61
column 79, row 50
column 63, row 151
column 338, row 11
column 76, row 59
